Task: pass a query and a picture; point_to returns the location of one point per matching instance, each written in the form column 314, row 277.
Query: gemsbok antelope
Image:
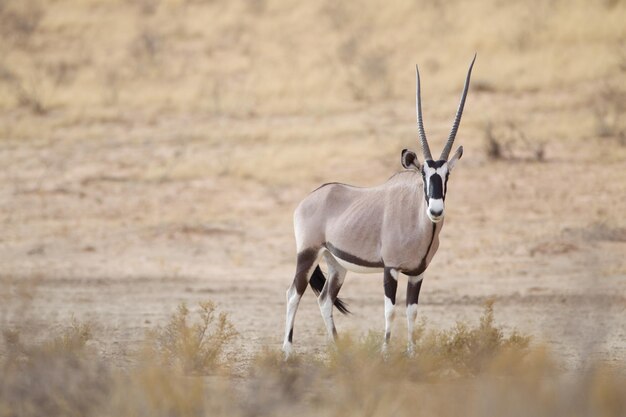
column 393, row 228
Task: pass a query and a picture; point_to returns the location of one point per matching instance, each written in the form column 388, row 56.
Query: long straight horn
column 420, row 122
column 457, row 120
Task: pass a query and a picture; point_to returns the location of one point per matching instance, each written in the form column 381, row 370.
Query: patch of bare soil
column 121, row 232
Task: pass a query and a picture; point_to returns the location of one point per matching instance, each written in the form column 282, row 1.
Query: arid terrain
column 152, row 153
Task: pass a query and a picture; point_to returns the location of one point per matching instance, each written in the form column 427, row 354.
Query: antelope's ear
column 409, row 160
column 457, row 155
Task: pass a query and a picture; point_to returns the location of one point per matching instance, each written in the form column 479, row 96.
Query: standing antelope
column 392, row 228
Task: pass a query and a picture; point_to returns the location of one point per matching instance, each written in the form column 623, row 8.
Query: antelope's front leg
column 412, row 295
column 391, row 286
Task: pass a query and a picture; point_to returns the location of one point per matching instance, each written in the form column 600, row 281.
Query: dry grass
column 196, row 348
column 471, row 370
column 273, row 57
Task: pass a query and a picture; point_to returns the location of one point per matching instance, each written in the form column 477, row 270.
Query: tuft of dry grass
column 195, row 347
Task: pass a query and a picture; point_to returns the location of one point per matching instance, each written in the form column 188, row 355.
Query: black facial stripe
column 435, row 186
column 445, row 189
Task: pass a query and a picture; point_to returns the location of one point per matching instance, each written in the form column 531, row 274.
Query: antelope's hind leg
column 328, row 295
column 306, row 262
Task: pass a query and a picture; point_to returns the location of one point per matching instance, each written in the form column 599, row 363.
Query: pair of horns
column 457, row 119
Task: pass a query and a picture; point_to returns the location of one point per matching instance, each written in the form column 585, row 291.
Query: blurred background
column 153, row 151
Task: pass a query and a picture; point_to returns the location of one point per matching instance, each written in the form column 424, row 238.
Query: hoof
column 287, row 351
column 410, row 351
column 384, row 350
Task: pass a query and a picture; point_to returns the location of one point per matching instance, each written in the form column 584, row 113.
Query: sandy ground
column 120, row 231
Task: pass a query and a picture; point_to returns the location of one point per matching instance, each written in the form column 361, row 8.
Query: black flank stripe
column 345, row 256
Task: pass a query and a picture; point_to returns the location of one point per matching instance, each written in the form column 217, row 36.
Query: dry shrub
column 28, row 89
column 59, row 376
column 72, row 340
column 467, row 350
column 506, row 141
column 466, row 370
column 463, row 350
column 19, row 19
column 196, row 348
column 609, row 109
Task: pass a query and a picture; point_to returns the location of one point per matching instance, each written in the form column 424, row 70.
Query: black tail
column 317, row 282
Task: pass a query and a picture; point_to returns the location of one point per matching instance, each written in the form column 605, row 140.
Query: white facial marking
column 442, row 171
column 435, row 205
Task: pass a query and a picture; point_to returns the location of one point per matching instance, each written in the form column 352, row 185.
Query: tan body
column 385, row 226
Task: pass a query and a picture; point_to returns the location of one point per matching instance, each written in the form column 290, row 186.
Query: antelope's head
column 435, row 173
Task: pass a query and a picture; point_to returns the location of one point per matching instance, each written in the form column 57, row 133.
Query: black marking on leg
column 304, row 262
column 317, row 284
column 348, row 257
column 391, row 286
column 413, row 292
column 290, row 338
column 387, row 337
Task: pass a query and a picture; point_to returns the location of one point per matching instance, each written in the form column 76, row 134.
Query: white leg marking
column 390, row 313
column 326, row 308
column 411, row 314
column 293, row 300
column 394, row 274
